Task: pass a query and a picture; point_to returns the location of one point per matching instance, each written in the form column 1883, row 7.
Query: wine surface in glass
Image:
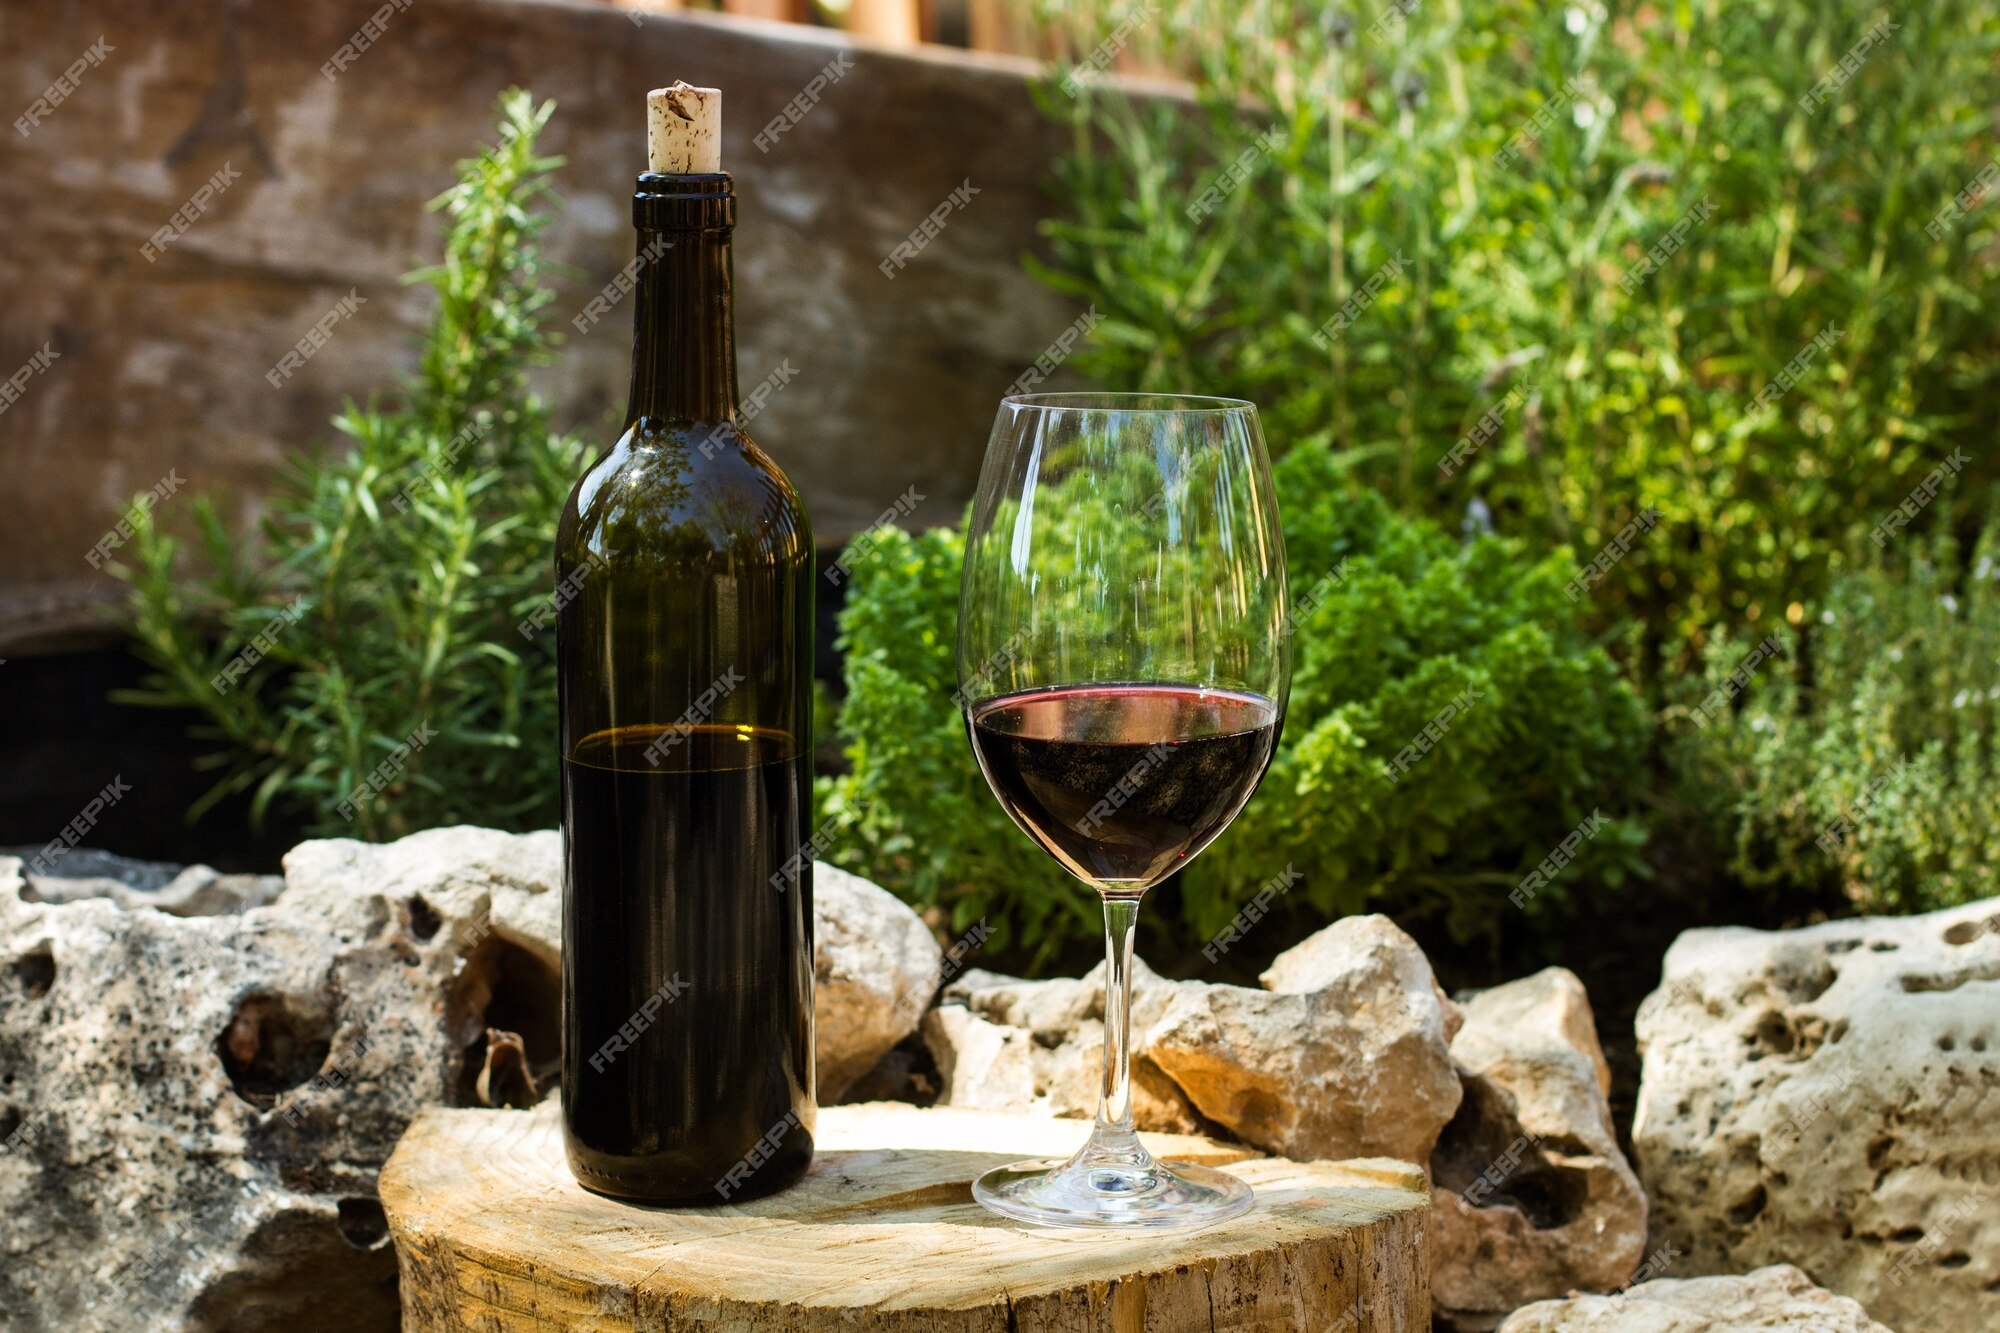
column 1123, row 783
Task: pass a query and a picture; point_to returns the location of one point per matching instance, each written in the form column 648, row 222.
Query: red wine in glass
column 1123, row 664
column 1124, row 783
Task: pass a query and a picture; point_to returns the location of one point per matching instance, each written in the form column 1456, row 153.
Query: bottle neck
column 684, row 335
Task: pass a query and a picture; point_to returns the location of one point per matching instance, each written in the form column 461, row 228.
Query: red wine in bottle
column 1123, row 783
column 685, row 649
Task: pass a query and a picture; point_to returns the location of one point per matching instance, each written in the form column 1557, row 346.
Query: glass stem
column 1114, row 1104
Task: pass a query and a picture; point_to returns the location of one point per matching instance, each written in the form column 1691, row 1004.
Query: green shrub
column 382, row 600
column 1864, row 755
column 1378, row 152
column 1395, row 620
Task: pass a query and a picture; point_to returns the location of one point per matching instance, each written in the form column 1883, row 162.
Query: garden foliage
column 1863, row 754
column 1612, row 227
column 1395, row 620
column 370, row 671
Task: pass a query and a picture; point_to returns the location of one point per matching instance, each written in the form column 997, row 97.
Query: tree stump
column 883, row 1236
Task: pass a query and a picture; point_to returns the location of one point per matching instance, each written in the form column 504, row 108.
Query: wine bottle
column 684, row 645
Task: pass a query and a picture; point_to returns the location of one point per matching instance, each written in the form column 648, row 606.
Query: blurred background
column 1632, row 363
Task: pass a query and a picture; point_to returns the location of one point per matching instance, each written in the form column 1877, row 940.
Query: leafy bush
column 1394, row 621
column 1865, row 754
column 383, row 599
column 1399, row 165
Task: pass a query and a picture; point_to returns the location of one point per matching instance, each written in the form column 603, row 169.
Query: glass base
column 1112, row 1184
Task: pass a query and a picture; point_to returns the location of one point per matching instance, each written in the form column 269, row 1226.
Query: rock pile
column 1351, row 1050
column 193, row 1107
column 195, row 1100
column 1826, row 1097
column 1345, row 1054
column 1530, row 1196
column 1775, row 1298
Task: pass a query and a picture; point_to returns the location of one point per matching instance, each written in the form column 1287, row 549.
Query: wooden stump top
column 883, row 1236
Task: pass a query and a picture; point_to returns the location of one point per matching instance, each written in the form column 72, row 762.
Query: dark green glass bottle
column 684, row 561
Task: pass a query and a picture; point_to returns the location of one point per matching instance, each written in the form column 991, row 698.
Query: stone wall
column 160, row 364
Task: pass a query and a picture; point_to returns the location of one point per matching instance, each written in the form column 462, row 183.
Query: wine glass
column 1122, row 667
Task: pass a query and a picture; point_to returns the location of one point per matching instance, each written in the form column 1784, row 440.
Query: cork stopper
column 684, row 130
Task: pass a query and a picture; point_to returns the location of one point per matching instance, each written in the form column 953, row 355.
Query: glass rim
column 1093, row 401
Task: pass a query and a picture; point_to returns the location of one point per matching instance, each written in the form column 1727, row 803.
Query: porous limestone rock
column 875, row 963
column 1530, row 1197
column 982, row 1065
column 1362, row 944
column 1826, row 1097
column 1004, row 1044
column 1769, row 1300
column 1358, row 1065
column 875, row 968
column 193, row 1109
column 84, row 872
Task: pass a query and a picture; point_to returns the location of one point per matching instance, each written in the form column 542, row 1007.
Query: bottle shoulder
column 685, row 490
